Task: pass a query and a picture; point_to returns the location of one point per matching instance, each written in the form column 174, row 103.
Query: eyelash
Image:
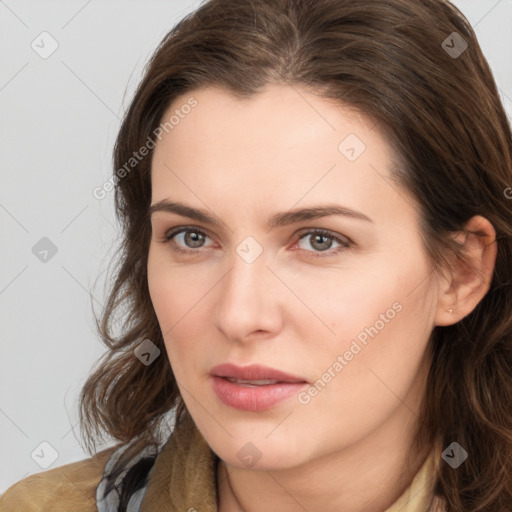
column 344, row 242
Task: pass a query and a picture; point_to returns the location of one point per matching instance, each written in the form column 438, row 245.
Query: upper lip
column 253, row 372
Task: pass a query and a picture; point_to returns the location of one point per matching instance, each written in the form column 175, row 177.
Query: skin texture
column 296, row 307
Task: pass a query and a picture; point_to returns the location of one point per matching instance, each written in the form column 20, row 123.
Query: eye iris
column 193, row 239
column 324, row 242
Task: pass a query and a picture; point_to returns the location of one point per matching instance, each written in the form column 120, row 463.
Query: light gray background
column 59, row 118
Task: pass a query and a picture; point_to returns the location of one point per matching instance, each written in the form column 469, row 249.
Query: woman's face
column 343, row 301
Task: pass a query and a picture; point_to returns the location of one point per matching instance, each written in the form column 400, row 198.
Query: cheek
column 361, row 384
column 175, row 291
column 378, row 290
column 377, row 322
column 180, row 298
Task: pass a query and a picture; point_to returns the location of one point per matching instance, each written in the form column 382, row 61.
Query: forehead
column 280, row 117
column 281, row 146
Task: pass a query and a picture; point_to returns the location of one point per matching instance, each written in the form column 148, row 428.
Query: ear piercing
column 450, row 311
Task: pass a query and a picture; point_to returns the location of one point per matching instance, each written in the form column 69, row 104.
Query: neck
column 369, row 476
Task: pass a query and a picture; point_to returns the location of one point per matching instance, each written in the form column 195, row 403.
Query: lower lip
column 254, row 398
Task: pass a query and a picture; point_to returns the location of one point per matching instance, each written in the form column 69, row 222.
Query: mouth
column 254, row 388
column 252, row 383
column 256, row 375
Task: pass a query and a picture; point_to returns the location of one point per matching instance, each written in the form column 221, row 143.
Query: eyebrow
column 277, row 220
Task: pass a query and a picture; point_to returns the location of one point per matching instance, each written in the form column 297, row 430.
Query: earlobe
column 469, row 278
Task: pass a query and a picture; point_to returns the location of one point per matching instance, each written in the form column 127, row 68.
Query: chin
column 261, row 456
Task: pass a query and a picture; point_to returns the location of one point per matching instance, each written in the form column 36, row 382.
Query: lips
column 254, row 388
column 256, row 375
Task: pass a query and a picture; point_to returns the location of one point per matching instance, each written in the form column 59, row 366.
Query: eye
column 317, row 242
column 185, row 239
column 321, row 241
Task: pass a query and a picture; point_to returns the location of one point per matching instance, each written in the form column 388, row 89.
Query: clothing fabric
column 69, row 488
column 182, row 477
column 109, row 490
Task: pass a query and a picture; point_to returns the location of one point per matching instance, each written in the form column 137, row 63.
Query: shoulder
column 65, row 488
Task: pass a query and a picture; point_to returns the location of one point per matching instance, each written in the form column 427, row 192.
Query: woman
column 315, row 198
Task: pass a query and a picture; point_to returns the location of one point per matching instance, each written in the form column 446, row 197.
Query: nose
column 248, row 301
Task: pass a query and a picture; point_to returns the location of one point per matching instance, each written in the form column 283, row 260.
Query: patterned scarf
column 123, row 494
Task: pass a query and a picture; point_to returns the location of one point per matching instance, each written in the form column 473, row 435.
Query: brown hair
column 442, row 115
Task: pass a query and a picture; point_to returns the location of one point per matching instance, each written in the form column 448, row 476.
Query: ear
column 465, row 283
